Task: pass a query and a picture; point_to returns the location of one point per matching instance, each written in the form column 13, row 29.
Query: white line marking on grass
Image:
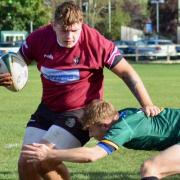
column 10, row 146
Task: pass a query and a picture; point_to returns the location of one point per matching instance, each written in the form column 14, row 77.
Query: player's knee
column 25, row 166
column 148, row 168
column 47, row 166
column 22, row 162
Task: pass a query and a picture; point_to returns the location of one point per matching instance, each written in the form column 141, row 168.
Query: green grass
column 163, row 84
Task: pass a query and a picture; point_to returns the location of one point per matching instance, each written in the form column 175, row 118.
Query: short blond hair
column 68, row 13
column 96, row 112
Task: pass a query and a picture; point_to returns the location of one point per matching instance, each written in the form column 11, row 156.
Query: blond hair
column 67, row 14
column 96, row 112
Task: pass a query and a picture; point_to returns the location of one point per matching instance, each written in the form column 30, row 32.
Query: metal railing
column 151, row 52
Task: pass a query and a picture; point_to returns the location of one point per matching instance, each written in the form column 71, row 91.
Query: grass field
column 163, row 84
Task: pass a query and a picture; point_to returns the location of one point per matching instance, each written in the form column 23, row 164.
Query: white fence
column 151, row 52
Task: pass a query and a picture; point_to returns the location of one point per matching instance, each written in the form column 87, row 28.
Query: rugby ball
column 16, row 66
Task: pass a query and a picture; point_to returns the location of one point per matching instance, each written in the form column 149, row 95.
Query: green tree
column 168, row 16
column 123, row 12
column 17, row 14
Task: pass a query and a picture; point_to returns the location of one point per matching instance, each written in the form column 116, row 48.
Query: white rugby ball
column 16, row 66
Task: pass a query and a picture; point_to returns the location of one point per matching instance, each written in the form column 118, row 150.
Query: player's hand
column 5, row 79
column 36, row 152
column 151, row 110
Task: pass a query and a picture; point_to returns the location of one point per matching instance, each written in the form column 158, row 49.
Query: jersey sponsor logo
column 76, row 60
column 60, row 76
column 70, row 122
column 48, row 56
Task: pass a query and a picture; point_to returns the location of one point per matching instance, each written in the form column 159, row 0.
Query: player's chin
column 69, row 44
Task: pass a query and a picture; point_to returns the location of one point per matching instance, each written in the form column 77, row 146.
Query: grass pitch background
column 163, row 84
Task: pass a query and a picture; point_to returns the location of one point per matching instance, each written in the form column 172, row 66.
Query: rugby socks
column 150, row 178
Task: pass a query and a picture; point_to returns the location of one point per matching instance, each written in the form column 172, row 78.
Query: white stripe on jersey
column 113, row 55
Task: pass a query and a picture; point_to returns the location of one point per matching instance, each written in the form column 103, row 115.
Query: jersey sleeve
column 113, row 58
column 119, row 133
column 106, row 53
column 28, row 48
column 108, row 146
column 110, row 53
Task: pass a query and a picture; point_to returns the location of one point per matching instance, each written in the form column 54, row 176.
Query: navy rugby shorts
column 44, row 118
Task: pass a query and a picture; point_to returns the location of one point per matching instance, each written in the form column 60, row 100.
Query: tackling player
column 130, row 128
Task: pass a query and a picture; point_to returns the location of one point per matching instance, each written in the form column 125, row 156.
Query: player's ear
column 116, row 117
column 105, row 126
column 53, row 24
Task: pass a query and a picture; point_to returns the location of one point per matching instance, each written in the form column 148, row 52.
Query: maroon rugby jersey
column 71, row 77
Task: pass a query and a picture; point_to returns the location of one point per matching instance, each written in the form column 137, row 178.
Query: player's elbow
column 92, row 157
column 92, row 154
column 89, row 159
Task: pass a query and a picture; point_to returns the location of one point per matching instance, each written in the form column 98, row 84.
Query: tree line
column 20, row 14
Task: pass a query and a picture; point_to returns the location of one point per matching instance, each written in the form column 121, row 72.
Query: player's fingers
column 28, row 154
column 37, row 145
column 5, row 80
column 42, row 145
column 4, row 74
column 155, row 111
column 147, row 112
column 29, row 147
column 151, row 110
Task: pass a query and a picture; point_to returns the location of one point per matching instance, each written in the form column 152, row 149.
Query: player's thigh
column 33, row 135
column 66, row 131
column 60, row 138
column 54, row 136
column 168, row 161
column 62, row 129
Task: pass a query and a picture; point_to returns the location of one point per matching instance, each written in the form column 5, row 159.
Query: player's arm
column 41, row 152
column 126, row 72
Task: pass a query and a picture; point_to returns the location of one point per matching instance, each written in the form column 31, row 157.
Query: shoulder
column 90, row 30
column 128, row 111
column 41, row 36
column 94, row 35
column 43, row 31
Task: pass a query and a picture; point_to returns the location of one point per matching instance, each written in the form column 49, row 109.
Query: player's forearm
column 137, row 87
column 42, row 152
column 80, row 155
column 126, row 72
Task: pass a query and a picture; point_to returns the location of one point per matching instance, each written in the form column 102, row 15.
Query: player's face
column 97, row 131
column 68, row 37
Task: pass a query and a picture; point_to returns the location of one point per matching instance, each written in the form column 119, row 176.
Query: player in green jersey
column 130, row 128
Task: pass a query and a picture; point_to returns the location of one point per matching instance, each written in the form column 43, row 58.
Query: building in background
column 13, row 36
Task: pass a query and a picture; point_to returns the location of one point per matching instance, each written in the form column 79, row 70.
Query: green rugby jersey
column 134, row 130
